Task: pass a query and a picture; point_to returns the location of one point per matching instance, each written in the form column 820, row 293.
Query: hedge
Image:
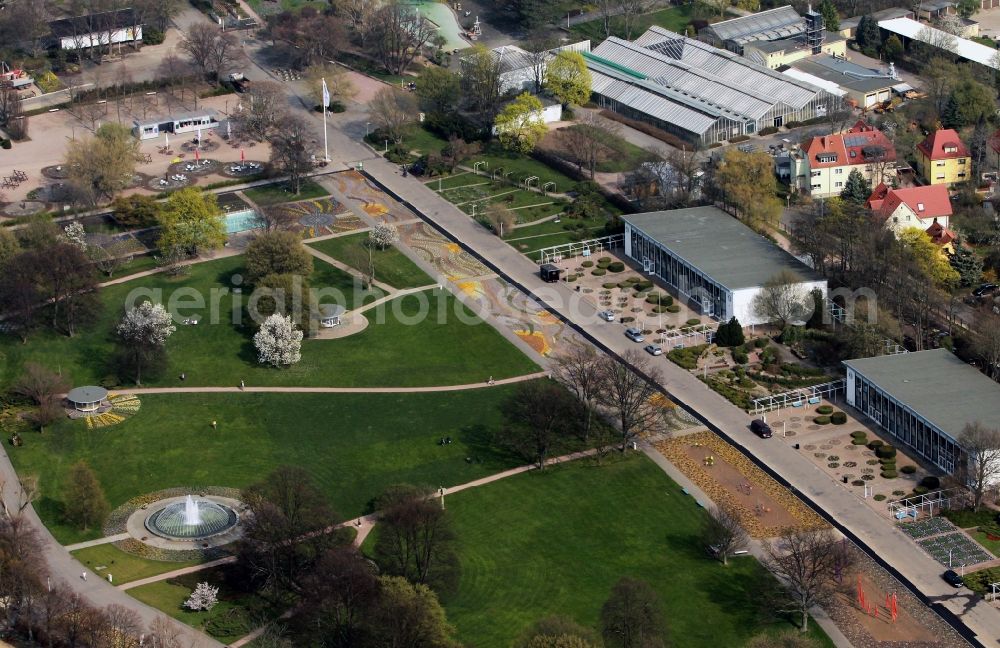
column 838, row 418
column 885, row 452
column 822, row 420
column 616, row 266
column 770, row 130
column 598, row 272
column 824, row 409
column 738, row 139
column 908, row 470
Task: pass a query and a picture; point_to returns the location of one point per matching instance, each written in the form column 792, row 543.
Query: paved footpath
column 871, row 528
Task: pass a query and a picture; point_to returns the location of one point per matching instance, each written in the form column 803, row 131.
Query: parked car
column 607, row 316
column 760, row 428
column 654, row 349
column 635, row 335
column 952, row 578
column 984, row 289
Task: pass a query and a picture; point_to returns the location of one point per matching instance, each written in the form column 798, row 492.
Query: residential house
column 942, row 158
column 921, row 207
column 942, row 237
column 831, row 158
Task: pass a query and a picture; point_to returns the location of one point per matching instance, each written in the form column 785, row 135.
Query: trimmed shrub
column 875, row 443
column 632, row 280
column 885, row 452
column 761, row 342
column 604, row 260
column 673, row 308
column 858, row 442
column 930, row 482
column 857, row 482
column 609, row 286
column 879, row 498
column 660, row 309
column 626, row 320
column 571, row 278
column 921, row 490
column 694, row 321
column 908, row 470
column 738, row 139
column 598, row 272
column 824, row 409
column 838, row 418
column 822, row 420
column 616, row 266
column 587, row 264
column 859, row 434
column 770, row 130
column 740, row 356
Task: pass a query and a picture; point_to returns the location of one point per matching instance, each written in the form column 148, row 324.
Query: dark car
column 952, row 578
column 760, row 428
column 984, row 289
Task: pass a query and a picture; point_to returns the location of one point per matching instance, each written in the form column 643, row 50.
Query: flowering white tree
column 143, row 332
column 75, row 234
column 383, row 235
column 278, row 341
column 204, row 597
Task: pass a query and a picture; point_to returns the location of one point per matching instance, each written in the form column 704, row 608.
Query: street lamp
column 386, row 146
column 367, row 124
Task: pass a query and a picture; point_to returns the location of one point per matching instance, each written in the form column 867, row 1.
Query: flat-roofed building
column 773, row 24
column 924, row 400
column 712, row 259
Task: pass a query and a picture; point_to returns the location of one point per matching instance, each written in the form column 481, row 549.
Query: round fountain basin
column 172, row 521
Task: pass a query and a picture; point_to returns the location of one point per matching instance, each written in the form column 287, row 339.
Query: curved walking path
column 333, row 390
column 394, row 295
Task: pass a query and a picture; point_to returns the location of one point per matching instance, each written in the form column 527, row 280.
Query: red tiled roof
column 934, row 145
column 861, row 126
column 879, row 193
column 931, row 201
column 940, row 235
column 848, row 149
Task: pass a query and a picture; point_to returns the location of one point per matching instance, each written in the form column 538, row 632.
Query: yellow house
column 942, row 158
column 776, row 53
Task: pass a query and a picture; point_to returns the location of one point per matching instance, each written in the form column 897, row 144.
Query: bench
column 797, row 403
column 814, row 400
column 685, row 491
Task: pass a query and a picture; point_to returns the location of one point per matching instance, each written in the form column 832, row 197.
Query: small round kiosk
column 87, row 399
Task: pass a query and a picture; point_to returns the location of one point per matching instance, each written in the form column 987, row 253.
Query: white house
column 98, row 29
column 715, row 262
column 176, row 124
column 908, row 207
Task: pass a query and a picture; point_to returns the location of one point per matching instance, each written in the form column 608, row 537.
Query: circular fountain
column 191, row 519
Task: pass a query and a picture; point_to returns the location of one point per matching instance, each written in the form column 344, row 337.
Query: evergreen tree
column 730, row 334
column 867, row 34
column 831, row 19
column 967, row 264
column 951, row 116
column 856, row 189
column 893, row 48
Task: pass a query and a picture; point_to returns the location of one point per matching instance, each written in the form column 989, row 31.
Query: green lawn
column 521, row 167
column 273, row 194
column 399, row 348
column 326, row 276
column 354, row 445
column 675, row 19
column 555, row 542
column 124, row 567
column 423, row 141
column 233, row 617
column 391, row 266
column 993, row 546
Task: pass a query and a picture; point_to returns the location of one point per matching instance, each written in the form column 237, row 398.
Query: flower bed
column 926, row 527
column 957, row 546
column 674, row 450
column 122, row 407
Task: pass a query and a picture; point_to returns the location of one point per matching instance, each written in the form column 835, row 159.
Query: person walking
column 83, row 575
column 242, row 385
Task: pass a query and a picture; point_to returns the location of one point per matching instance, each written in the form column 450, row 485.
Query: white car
column 607, row 316
column 654, row 349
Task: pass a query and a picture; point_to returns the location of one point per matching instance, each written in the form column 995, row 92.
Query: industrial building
column 924, row 400
column 862, row 87
column 698, row 92
column 778, row 53
column 910, row 30
column 712, row 259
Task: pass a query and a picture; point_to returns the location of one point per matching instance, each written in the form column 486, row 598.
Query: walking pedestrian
column 214, row 425
column 491, row 381
column 242, row 385
column 83, row 575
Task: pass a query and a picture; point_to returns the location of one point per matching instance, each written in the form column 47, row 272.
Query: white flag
column 326, row 94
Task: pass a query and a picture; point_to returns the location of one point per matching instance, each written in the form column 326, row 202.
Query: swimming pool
column 241, row 221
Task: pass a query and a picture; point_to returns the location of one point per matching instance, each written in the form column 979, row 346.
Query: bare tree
column 398, row 34
column 261, row 110
column 585, row 143
column 632, row 617
column 722, row 534
column 539, row 417
column 501, row 218
column 361, row 15
column 782, row 299
column 987, row 344
column 980, row 462
column 111, row 255
column 211, row 50
column 39, row 383
column 579, row 369
column 481, row 81
column 630, row 396
column 630, row 11
column 804, row 562
column 290, row 151
column 393, row 110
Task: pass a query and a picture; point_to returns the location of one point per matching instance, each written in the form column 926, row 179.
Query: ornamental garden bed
column 954, row 548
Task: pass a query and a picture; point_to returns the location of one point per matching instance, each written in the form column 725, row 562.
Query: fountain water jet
column 192, row 516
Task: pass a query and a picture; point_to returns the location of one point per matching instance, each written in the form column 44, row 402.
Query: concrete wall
column 743, row 301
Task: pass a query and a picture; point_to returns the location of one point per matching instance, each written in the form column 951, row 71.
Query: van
column 760, row 428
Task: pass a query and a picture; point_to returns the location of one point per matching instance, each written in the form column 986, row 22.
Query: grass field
column 675, row 19
column 325, row 275
column 123, row 567
column 273, row 194
column 391, row 266
column 555, row 542
column 399, row 347
column 354, row 445
column 234, row 616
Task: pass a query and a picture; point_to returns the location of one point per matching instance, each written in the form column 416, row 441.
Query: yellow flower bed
column 536, row 340
column 122, row 407
column 674, row 450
